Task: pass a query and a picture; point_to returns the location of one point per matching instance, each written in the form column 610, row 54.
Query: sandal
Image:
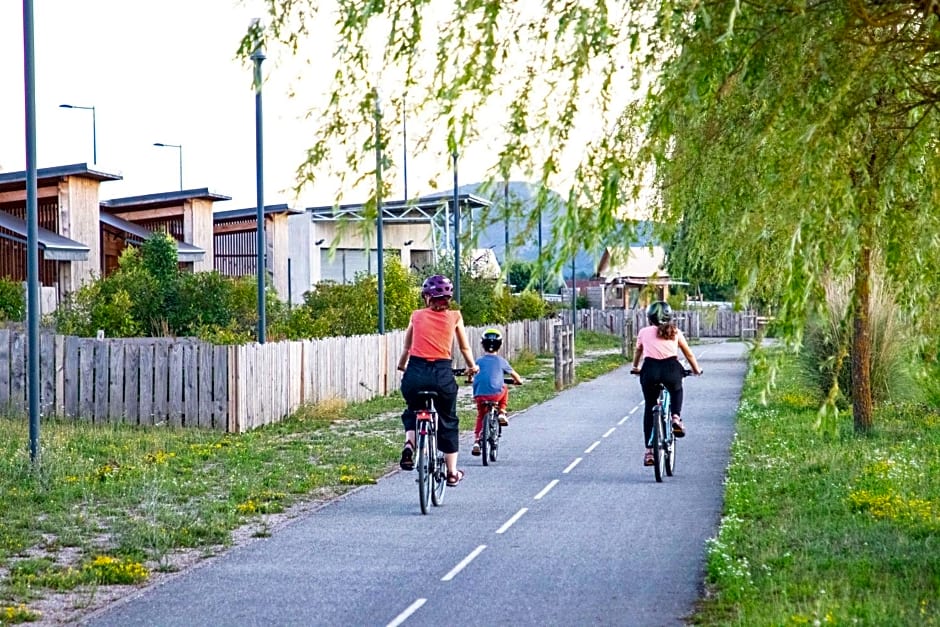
column 678, row 429
column 407, row 457
column 648, row 459
column 454, row 478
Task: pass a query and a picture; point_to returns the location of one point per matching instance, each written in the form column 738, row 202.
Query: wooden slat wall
column 188, row 383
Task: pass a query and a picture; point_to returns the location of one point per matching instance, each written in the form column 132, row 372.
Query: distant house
column 633, row 277
column 329, row 243
column 186, row 215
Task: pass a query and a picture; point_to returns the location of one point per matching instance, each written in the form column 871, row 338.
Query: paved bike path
column 567, row 528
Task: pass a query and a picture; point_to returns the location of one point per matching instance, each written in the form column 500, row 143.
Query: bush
column 829, row 334
column 12, row 300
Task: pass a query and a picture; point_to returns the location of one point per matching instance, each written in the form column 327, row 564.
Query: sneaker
column 407, row 458
column 678, row 429
column 503, row 420
column 648, row 459
column 476, row 448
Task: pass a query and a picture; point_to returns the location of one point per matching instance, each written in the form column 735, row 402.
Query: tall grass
column 826, row 531
column 828, row 342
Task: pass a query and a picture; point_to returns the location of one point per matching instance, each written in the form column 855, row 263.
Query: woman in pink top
column 659, row 345
column 427, row 363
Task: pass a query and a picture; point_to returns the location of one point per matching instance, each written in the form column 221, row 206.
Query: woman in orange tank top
column 428, row 365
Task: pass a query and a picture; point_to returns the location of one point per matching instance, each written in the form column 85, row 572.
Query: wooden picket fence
column 189, row 383
column 693, row 323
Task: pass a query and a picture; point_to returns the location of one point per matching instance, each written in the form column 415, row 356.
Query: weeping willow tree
column 792, row 143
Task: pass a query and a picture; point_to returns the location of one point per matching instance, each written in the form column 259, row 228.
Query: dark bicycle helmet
column 659, row 312
column 492, row 340
column 437, row 286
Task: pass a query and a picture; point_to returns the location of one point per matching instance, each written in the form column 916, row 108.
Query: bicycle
column 432, row 471
column 492, row 430
column 662, row 439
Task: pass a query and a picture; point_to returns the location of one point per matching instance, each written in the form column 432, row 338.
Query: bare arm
column 637, row 356
column 515, row 377
column 464, row 345
column 683, row 345
column 409, row 337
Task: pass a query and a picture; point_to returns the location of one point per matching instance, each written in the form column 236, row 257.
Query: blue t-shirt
column 490, row 378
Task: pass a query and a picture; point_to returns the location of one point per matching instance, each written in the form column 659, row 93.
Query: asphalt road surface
column 566, row 528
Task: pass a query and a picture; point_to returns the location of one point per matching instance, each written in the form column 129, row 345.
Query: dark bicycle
column 492, row 430
column 663, row 440
column 432, row 471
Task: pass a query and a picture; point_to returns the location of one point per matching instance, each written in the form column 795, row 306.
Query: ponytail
column 667, row 331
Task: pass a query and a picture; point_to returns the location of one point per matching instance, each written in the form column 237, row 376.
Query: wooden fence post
column 628, row 337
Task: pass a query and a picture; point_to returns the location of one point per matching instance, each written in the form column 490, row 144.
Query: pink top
column 656, row 347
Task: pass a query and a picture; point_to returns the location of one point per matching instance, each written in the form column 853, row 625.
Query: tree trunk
column 861, row 339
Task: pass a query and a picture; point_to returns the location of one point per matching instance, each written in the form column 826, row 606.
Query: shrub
column 12, row 300
column 829, row 334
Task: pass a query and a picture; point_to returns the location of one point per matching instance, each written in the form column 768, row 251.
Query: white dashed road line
column 509, row 523
column 592, row 447
column 463, row 563
column 551, row 484
column 571, row 466
column 609, row 431
column 408, row 612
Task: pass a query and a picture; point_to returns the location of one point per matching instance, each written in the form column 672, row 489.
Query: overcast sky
column 157, row 72
column 166, row 72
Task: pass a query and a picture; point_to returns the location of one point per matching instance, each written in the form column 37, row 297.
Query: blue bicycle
column 662, row 439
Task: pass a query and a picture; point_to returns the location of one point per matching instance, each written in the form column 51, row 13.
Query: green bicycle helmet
column 659, row 312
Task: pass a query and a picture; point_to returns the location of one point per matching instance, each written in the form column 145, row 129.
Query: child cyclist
column 428, row 365
column 658, row 345
column 488, row 385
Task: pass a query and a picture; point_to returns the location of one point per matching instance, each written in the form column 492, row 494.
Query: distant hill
column 489, row 228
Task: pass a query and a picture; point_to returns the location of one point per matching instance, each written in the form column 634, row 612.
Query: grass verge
column 837, row 530
column 111, row 505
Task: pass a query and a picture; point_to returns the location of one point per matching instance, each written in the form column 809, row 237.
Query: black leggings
column 669, row 373
column 436, row 376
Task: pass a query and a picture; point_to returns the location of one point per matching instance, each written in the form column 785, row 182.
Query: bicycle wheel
column 485, row 437
column 659, row 451
column 424, row 472
column 495, row 430
column 439, row 474
column 670, row 449
column 439, row 479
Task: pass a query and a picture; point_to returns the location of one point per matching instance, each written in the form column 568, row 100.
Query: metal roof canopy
column 185, row 252
column 423, row 209
column 10, row 181
column 55, row 247
column 162, row 199
column 252, row 212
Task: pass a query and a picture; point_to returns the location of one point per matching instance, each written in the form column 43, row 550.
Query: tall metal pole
column 456, row 233
column 539, row 268
column 179, row 147
column 404, row 138
column 506, row 234
column 32, row 232
column 258, row 56
column 380, row 244
column 94, row 128
column 94, row 137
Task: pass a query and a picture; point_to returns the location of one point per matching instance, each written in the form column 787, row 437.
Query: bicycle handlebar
column 685, row 372
column 462, row 372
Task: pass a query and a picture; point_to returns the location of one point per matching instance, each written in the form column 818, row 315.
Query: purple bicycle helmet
column 437, row 286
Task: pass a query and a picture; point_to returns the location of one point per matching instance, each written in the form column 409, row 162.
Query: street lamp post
column 257, row 57
column 380, row 244
column 456, row 233
column 180, row 148
column 32, row 232
column 506, row 234
column 94, row 130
